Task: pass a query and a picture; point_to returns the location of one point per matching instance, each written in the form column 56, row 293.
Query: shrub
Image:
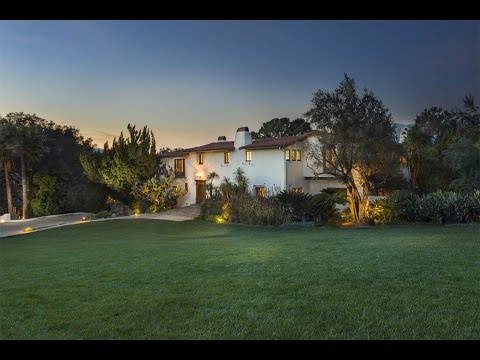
column 399, row 206
column 244, row 209
column 303, row 206
column 46, row 200
column 438, row 207
column 247, row 209
column 159, row 192
column 209, row 207
column 346, row 215
column 323, row 207
column 403, row 204
column 139, row 206
column 102, row 214
column 449, row 207
column 297, row 204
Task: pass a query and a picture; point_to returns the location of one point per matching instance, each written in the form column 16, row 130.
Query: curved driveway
column 15, row 227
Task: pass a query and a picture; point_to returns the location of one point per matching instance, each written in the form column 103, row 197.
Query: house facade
column 271, row 165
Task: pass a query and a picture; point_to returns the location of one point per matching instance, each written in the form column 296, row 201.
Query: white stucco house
column 271, row 165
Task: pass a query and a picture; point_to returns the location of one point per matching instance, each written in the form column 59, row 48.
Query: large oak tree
column 356, row 141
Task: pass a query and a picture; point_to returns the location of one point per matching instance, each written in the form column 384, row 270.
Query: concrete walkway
column 15, row 227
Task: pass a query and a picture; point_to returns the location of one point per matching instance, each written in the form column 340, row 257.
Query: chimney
column 242, row 137
column 222, row 139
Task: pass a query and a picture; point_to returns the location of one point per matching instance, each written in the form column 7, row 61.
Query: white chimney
column 242, row 137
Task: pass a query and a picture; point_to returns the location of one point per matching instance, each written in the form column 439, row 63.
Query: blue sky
column 191, row 81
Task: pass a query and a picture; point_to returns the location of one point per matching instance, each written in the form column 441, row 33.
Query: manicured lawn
column 150, row 279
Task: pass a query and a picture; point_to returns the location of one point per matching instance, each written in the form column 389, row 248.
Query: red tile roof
column 216, row 146
column 176, row 153
column 280, row 142
column 270, row 143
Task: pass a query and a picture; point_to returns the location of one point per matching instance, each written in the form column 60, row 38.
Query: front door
column 201, row 190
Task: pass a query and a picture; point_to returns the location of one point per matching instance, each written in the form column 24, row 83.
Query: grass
column 150, row 279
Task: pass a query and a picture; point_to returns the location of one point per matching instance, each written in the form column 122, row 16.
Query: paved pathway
column 15, row 227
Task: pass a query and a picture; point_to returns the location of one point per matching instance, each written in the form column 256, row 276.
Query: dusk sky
column 191, row 81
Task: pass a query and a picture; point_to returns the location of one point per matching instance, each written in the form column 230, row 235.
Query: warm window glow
column 328, row 158
column 297, row 190
column 287, row 155
column 226, row 157
column 260, row 191
column 200, row 158
column 299, row 155
column 179, row 167
column 293, row 155
column 248, row 155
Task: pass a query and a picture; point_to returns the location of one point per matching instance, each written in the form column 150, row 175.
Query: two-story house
column 271, row 165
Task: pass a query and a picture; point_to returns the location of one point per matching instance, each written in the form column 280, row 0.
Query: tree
column 281, row 127
column 442, row 149
column 130, row 161
column 356, row 140
column 241, row 181
column 468, row 119
column 168, row 149
column 462, row 158
column 28, row 144
column 6, row 158
column 45, row 200
column 75, row 192
column 211, row 178
column 298, row 126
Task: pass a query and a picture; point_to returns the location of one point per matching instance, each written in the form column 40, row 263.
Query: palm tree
column 241, row 181
column 27, row 143
column 210, row 178
column 226, row 188
column 6, row 159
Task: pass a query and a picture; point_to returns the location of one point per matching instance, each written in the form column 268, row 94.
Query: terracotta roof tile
column 270, row 143
column 216, row 146
column 176, row 153
column 280, row 142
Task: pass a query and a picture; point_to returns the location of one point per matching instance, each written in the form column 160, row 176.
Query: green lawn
column 150, row 279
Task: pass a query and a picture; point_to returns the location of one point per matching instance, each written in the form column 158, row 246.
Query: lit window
column 175, row 188
column 297, row 190
column 226, row 157
column 260, row 191
column 287, row 155
column 200, row 158
column 299, row 155
column 328, row 159
column 248, row 155
column 179, row 167
column 293, row 155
